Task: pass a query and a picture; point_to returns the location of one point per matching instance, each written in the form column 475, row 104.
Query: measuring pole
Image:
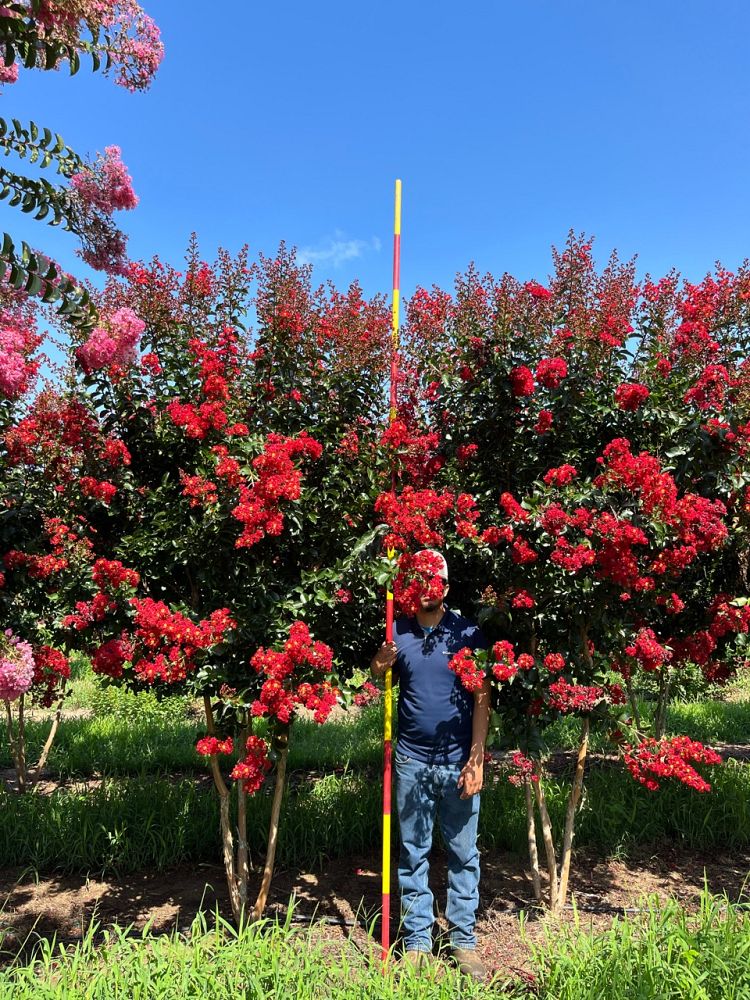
column 385, row 920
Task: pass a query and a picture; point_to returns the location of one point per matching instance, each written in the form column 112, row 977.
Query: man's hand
column 384, row 658
column 472, row 777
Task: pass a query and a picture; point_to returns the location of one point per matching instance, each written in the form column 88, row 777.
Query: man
column 439, row 758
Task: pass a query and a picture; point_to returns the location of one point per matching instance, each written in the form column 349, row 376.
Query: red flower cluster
column 522, row 599
column 110, row 574
column 504, row 668
column 254, row 766
column 630, row 396
column 551, row 371
column 413, row 517
column 227, row 468
column 278, row 479
column 537, row 291
column 467, row 669
column 648, row 651
column 283, row 690
column 521, row 381
column 697, row 522
column 467, row 515
column 522, row 553
column 110, row 658
column 97, row 489
column 210, row 745
column 366, row 695
column 512, row 508
column 465, row 453
column 709, row 392
column 51, row 667
column 523, row 770
column 172, row 640
column 544, row 421
column 419, row 577
column 554, row 662
column 654, row 760
column 573, row 558
column 567, row 698
column 197, row 420
column 202, row 492
column 560, row 476
column 59, row 431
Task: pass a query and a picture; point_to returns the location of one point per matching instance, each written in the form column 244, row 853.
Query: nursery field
column 116, row 854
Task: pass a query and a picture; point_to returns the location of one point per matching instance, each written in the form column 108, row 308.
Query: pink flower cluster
column 17, row 368
column 114, row 343
column 107, row 185
column 16, row 666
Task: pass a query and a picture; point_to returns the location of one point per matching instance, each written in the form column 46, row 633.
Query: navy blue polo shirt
column 435, row 711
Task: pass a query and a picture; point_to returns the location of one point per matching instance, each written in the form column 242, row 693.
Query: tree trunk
column 549, row 844
column 50, row 737
column 531, row 834
column 225, row 820
column 282, row 745
column 243, row 868
column 573, row 800
column 21, row 745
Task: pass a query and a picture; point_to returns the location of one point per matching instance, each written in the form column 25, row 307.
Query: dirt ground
column 346, row 897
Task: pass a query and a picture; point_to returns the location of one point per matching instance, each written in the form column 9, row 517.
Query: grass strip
column 268, row 959
column 666, row 954
column 130, row 825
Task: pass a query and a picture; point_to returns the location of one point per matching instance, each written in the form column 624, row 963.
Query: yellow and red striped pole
column 385, row 920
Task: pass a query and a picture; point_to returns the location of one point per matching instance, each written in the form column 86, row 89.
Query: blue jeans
column 422, row 791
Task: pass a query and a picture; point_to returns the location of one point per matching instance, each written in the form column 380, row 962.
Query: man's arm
column 472, row 774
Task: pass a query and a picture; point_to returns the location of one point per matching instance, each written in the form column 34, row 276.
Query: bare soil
column 345, row 898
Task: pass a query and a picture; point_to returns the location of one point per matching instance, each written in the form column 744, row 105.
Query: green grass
column 135, row 734
column 128, row 825
column 706, row 721
column 667, row 954
column 263, row 961
column 113, row 745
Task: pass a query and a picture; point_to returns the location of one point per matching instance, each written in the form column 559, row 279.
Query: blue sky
column 509, row 123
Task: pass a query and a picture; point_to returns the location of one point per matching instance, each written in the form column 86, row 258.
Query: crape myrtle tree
column 223, row 485
column 47, row 35
column 591, row 436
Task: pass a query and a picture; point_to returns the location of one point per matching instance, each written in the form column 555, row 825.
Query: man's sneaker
column 416, row 960
column 469, row 963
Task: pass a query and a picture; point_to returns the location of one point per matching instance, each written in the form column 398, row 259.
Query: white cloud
column 336, row 250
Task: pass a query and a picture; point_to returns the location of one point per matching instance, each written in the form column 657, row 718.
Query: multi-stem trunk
column 549, row 843
column 531, row 836
column 225, row 820
column 281, row 745
column 50, row 737
column 573, row 800
column 237, row 861
column 16, row 748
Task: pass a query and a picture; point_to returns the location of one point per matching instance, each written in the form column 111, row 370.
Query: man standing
column 442, row 731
